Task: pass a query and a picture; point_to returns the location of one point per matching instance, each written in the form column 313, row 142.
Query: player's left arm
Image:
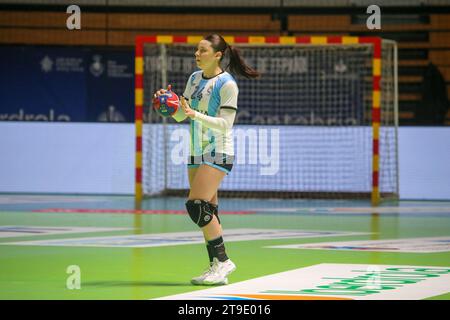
column 227, row 112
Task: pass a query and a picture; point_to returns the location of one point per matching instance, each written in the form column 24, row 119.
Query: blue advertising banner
column 66, row 84
column 110, row 85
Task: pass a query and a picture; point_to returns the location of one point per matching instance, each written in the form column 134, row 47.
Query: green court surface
column 161, row 266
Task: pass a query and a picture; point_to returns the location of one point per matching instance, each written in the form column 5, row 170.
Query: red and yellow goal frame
column 168, row 39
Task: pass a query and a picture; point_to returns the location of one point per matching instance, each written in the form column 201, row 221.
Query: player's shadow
column 135, row 284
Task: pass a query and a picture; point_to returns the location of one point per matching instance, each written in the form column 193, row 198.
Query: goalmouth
column 335, row 98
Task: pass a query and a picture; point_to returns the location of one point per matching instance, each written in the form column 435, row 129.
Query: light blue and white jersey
column 208, row 96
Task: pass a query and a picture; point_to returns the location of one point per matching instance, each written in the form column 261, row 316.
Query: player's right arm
column 160, row 92
column 179, row 114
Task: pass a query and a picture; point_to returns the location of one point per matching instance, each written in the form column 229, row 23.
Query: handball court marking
column 129, row 211
column 33, row 231
column 408, row 245
column 333, row 281
column 183, row 238
column 359, row 210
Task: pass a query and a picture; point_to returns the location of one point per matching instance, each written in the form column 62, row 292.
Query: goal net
column 320, row 122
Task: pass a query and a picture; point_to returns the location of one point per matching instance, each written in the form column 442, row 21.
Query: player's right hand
column 160, row 92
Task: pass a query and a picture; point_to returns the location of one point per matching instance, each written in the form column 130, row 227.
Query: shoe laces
column 215, row 266
column 207, row 270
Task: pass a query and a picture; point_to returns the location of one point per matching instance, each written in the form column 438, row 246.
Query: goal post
column 336, row 78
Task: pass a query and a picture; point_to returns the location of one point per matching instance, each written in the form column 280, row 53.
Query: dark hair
column 237, row 64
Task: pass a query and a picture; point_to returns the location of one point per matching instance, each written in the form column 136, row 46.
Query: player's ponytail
column 236, row 64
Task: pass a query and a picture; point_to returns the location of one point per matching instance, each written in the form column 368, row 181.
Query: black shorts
column 221, row 161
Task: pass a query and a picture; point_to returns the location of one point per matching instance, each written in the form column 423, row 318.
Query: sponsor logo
column 22, row 116
column 415, row 245
column 111, row 115
column 335, row 282
column 182, row 238
column 46, row 64
column 97, row 67
column 61, row 64
column 118, row 70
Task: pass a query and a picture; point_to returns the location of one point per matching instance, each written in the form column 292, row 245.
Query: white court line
column 184, row 238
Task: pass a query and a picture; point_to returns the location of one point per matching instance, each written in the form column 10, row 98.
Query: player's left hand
column 187, row 109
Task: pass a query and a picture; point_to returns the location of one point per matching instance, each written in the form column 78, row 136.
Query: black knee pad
column 200, row 211
column 216, row 211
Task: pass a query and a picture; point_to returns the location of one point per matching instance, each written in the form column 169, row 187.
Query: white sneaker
column 219, row 272
column 199, row 280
